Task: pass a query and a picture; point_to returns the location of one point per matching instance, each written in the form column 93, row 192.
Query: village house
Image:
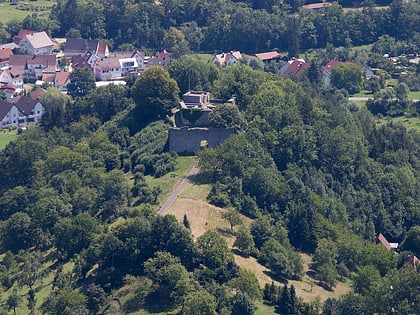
column 75, row 47
column 36, row 44
column 9, row 114
column 140, row 57
column 61, row 80
column 39, row 65
column 268, row 57
column 226, row 59
column 294, row 67
column 328, row 68
column 11, row 77
column 108, row 69
column 380, row 239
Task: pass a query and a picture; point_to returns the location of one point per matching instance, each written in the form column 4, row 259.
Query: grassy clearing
column 6, row 137
column 170, row 180
column 411, row 123
column 11, row 12
column 414, row 95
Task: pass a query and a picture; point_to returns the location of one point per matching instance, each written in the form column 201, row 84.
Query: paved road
column 172, row 197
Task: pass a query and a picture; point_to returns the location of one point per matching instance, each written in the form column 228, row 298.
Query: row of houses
column 294, row 66
column 40, row 59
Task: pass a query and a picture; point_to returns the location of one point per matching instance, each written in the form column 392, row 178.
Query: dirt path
column 174, row 195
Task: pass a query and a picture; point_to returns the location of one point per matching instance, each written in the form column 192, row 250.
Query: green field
column 411, row 123
column 6, row 137
column 10, row 12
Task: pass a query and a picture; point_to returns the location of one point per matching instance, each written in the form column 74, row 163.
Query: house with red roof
column 22, row 33
column 9, row 90
column 380, row 239
column 61, row 80
column 227, row 59
column 328, row 68
column 294, row 67
column 269, row 56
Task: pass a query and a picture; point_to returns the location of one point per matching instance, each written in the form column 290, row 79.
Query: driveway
column 172, row 197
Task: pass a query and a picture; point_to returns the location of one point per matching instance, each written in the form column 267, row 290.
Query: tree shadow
column 239, row 253
column 225, row 232
column 156, row 303
column 276, row 277
column 201, row 179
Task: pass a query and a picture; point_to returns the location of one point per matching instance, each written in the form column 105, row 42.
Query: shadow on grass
column 225, row 232
column 275, row 277
column 201, row 179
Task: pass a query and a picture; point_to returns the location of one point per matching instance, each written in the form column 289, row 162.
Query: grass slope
column 10, row 12
column 6, row 137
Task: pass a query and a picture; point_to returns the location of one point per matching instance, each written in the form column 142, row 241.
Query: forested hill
column 313, row 172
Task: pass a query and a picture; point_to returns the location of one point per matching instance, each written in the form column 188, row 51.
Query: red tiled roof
column 5, row 53
column 62, row 77
column 296, row 67
column 48, row 77
column 331, row 65
column 381, row 239
column 268, row 55
column 314, row 6
column 22, row 33
column 37, row 93
column 101, row 48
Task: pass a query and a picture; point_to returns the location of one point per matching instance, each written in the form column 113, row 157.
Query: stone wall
column 187, row 140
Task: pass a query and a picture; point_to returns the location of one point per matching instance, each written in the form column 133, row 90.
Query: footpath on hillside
column 172, row 197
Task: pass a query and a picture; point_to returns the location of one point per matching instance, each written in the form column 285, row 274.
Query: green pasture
column 6, row 137
column 10, row 12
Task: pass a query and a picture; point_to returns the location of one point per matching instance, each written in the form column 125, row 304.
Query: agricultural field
column 10, row 12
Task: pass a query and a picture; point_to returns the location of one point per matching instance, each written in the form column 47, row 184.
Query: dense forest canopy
column 314, row 172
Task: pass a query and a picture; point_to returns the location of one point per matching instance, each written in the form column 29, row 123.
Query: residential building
column 226, row 59
column 9, row 114
column 328, row 68
column 37, row 44
column 269, row 56
column 108, row 69
column 294, row 67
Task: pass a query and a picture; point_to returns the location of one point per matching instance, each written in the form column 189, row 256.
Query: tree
column 55, row 104
column 233, row 217
column 74, row 234
column 175, row 41
column 169, row 275
column 199, row 302
column 81, row 83
column 155, row 93
column 401, row 91
column 347, row 76
column 244, row 241
column 65, row 302
column 242, row 304
column 412, row 241
column 13, row 301
column 227, row 116
column 247, row 282
column 366, row 279
column 214, row 250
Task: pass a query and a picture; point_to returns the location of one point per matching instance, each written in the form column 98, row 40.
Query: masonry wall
column 183, row 140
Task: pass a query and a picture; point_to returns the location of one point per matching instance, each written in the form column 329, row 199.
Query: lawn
column 10, row 12
column 6, row 137
column 414, row 95
column 168, row 182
